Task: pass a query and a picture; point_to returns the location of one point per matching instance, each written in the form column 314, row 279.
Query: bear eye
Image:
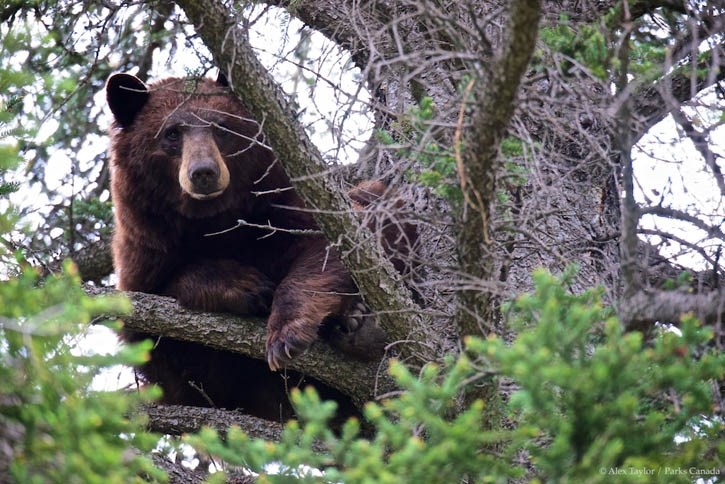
column 172, row 133
column 222, row 130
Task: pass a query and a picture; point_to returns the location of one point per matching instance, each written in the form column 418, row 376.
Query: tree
column 517, row 128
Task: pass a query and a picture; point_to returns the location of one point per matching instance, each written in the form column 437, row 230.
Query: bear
column 188, row 163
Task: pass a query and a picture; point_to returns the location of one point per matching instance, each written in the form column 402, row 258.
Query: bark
column 177, row 473
column 180, row 419
column 94, row 261
column 643, row 309
column 494, row 106
column 381, row 288
column 630, row 209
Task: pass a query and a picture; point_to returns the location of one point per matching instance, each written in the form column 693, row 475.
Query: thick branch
column 333, row 19
column 158, row 315
column 177, row 473
column 181, row 419
column 643, row 309
column 591, row 11
column 94, row 261
column 381, row 288
column 494, row 108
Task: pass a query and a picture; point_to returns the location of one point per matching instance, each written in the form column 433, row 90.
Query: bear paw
column 356, row 333
column 249, row 299
column 288, row 342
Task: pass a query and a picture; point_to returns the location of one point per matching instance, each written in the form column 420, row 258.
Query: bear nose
column 204, row 177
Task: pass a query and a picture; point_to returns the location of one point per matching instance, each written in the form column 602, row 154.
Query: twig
column 244, row 223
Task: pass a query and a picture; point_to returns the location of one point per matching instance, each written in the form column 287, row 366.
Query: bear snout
column 204, row 176
column 203, row 173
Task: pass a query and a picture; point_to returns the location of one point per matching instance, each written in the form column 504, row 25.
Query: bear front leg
column 222, row 285
column 317, row 286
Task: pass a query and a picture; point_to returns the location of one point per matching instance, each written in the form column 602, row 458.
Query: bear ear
column 126, row 95
column 221, row 79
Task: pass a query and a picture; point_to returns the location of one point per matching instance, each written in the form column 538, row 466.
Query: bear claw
column 285, row 345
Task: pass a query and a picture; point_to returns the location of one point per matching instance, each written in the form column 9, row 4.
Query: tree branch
column 333, row 20
column 495, row 106
column 177, row 473
column 651, row 103
column 381, row 288
column 642, row 309
column 159, row 315
column 181, row 419
column 673, row 213
column 94, row 261
column 702, row 146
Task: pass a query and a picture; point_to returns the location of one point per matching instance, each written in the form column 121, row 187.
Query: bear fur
column 188, row 162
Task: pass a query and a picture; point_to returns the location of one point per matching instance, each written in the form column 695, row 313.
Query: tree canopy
column 527, row 138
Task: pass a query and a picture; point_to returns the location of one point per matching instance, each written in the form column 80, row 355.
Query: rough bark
column 494, row 105
column 177, row 473
column 94, row 261
column 180, row 419
column 643, row 309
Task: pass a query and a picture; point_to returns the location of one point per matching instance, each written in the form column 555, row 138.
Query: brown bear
column 188, row 162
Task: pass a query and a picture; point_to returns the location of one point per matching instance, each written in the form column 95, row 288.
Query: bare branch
column 702, row 146
column 690, row 245
column 702, row 28
column 333, row 19
column 653, row 102
column 673, row 213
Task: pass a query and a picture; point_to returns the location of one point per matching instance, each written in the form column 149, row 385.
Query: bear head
column 193, row 131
